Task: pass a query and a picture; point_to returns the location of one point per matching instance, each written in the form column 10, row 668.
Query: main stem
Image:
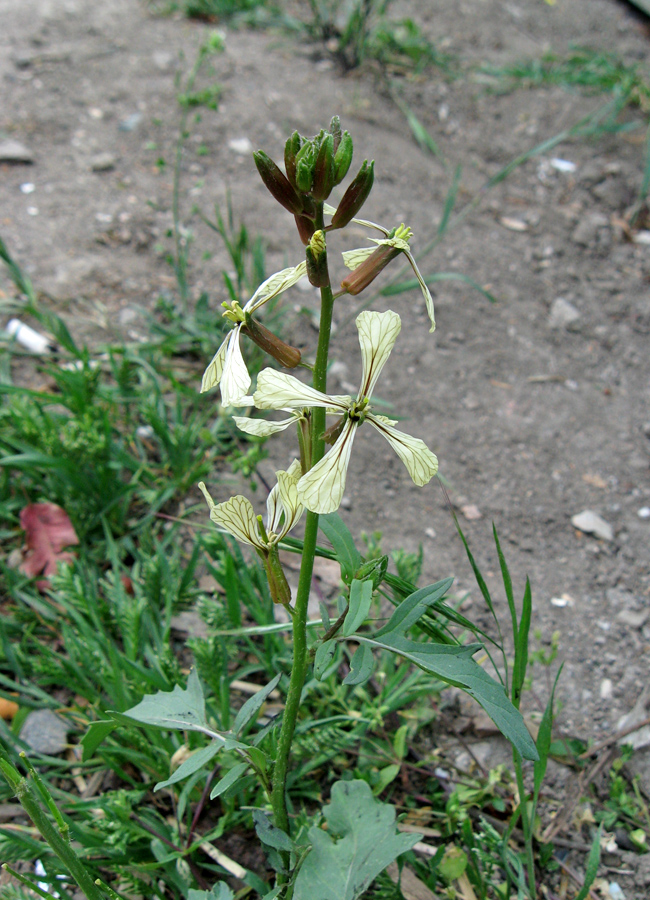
column 300, row 659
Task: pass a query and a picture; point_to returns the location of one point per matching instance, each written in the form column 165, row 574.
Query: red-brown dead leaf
column 47, row 531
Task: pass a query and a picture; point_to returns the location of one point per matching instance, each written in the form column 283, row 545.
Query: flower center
column 233, row 312
column 358, row 410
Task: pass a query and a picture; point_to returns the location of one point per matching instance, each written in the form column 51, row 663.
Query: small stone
column 241, row 145
column 14, row 152
column 45, row 732
column 471, row 512
column 131, row 122
column 27, row 188
column 586, row 232
column 591, row 523
column 632, row 618
column 563, row 165
column 606, row 689
column 430, row 533
column 561, row 602
column 644, row 512
column 513, row 224
column 103, row 162
column 563, row 314
column 164, row 60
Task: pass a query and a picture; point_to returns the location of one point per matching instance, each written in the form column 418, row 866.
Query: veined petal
column 353, row 258
column 377, row 335
column 321, row 489
column 277, row 390
column 428, row 299
column 274, row 509
column 288, row 493
column 421, row 463
column 212, row 375
column 235, row 380
column 276, row 284
column 236, row 516
column 262, row 427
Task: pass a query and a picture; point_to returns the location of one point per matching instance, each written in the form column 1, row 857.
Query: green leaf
column 192, row 764
column 544, row 737
column 269, row 834
column 324, row 656
column 362, row 665
column 178, row 709
column 220, row 891
column 360, row 600
column 591, row 869
column 252, row 706
column 367, row 842
column 414, row 606
column 454, row 664
column 386, row 776
column 228, row 780
column 96, row 733
column 338, row 534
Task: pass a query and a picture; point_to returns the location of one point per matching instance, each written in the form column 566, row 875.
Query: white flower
column 283, row 510
column 397, row 240
column 321, row 488
column 227, row 367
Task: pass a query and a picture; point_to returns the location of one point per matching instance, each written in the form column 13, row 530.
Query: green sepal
column 343, row 157
column 355, row 195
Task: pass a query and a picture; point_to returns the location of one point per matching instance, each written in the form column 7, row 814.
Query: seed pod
column 342, row 158
column 277, row 183
column 323, row 180
column 355, row 196
column 285, row 354
column 366, row 273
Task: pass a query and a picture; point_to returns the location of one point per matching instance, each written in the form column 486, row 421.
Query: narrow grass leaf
column 360, row 600
column 544, row 741
column 521, row 646
column 97, row 732
column 253, row 705
column 591, row 870
column 192, row 764
column 450, row 201
column 228, row 780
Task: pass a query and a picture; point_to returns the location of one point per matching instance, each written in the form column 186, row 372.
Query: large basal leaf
column 366, row 842
column 456, row 666
column 192, row 764
column 219, row 891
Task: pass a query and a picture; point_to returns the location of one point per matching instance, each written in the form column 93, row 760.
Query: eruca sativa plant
column 361, row 837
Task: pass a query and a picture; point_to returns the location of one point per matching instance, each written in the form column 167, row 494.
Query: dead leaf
column 410, row 885
column 48, row 530
column 8, row 708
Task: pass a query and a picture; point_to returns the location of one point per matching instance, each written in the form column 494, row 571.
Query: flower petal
column 235, row 380
column 277, row 390
column 276, row 284
column 262, row 427
column 321, row 489
column 421, row 463
column 428, row 299
column 212, row 375
column 236, row 516
column 353, row 258
column 288, row 493
column 377, row 335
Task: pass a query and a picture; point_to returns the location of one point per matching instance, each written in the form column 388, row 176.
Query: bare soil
column 534, row 420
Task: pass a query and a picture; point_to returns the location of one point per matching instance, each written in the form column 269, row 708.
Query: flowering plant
column 314, row 484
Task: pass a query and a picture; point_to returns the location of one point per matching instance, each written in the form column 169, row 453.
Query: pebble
column 131, row 122
column 591, row 523
column 241, row 145
column 12, row 151
column 27, row 188
column 45, row 732
column 563, row 314
column 632, row 618
column 563, row 165
column 644, row 512
column 606, row 689
column 103, row 162
column 587, row 229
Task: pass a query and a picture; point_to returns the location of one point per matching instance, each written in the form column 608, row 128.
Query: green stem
column 300, row 658
column 26, row 795
column 526, row 824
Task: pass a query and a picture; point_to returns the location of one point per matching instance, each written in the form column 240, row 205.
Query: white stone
column 591, row 523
